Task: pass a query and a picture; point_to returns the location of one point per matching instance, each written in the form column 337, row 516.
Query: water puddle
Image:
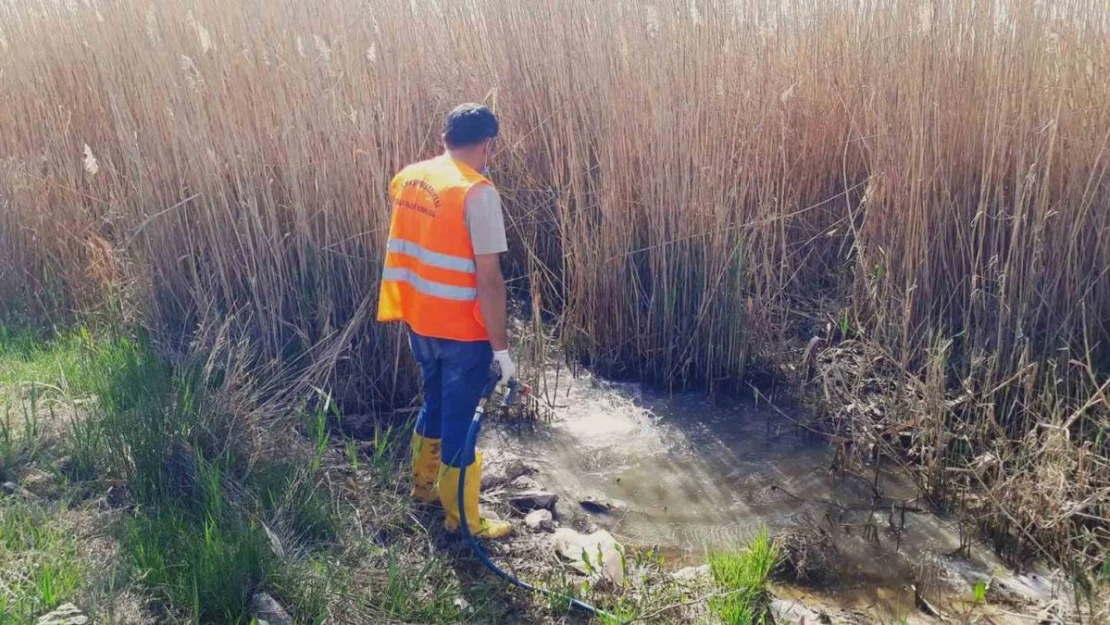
column 687, row 475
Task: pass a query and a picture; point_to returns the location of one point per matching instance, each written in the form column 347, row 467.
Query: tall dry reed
column 680, row 178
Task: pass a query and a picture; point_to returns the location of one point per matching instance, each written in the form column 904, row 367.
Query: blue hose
column 479, row 550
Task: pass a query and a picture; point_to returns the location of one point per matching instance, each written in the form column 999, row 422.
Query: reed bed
column 688, row 184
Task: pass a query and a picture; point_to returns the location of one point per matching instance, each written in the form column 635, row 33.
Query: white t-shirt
column 485, row 221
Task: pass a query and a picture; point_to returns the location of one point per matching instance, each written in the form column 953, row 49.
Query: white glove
column 504, row 366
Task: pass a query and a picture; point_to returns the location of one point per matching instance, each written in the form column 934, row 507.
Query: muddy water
column 689, row 476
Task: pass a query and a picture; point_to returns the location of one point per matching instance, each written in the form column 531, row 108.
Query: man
column 442, row 278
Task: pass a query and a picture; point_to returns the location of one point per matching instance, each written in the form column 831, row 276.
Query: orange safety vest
column 429, row 280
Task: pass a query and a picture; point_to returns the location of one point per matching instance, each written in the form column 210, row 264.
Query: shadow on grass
column 323, row 524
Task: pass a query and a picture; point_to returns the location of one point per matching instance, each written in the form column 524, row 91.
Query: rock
column 267, row 611
column 598, row 555
column 66, row 614
column 1032, row 588
column 570, row 514
column 533, row 500
column 786, row 611
column 1009, row 588
column 118, row 496
column 564, row 511
column 524, row 483
column 11, row 488
column 500, row 473
column 40, row 483
column 692, row 574
column 597, row 505
column 518, row 468
column 583, row 525
column 540, row 520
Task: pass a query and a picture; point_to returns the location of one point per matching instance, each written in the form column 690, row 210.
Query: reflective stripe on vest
column 430, row 287
column 428, row 257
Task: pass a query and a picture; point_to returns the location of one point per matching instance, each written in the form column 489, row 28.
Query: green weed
column 350, row 450
column 142, row 416
column 318, row 430
column 564, row 590
column 20, row 438
column 8, row 444
column 305, row 587
column 40, row 384
column 620, row 616
column 742, row 577
column 39, row 565
column 845, row 323
column 53, row 581
column 196, row 541
column 208, row 564
column 200, row 548
column 383, row 460
column 980, row 592
column 26, row 357
column 290, row 494
column 31, row 425
column 426, row 593
column 84, row 445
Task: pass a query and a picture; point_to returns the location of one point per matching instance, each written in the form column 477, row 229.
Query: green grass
column 742, row 578
column 195, row 539
column 293, row 493
column 149, row 419
column 207, row 567
column 38, row 376
column 39, row 564
column 200, row 537
column 197, row 548
column 307, row 587
column 403, row 593
column 159, row 431
column 28, row 356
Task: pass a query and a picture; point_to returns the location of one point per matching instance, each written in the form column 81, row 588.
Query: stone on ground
column 692, row 574
column 540, row 520
column 599, row 549
column 499, row 470
column 65, row 614
column 11, row 488
column 41, row 483
column 786, row 611
column 525, row 483
column 267, row 611
column 533, row 500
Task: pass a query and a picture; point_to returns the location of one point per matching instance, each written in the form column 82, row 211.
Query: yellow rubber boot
column 425, row 468
column 449, row 497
